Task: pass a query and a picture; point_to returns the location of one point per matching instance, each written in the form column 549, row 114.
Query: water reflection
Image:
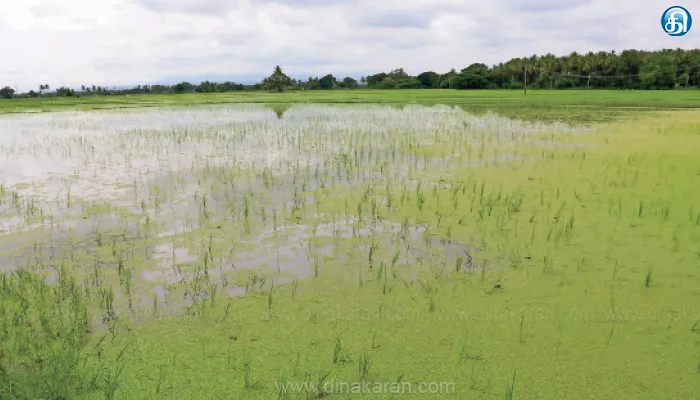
column 192, row 191
column 279, row 108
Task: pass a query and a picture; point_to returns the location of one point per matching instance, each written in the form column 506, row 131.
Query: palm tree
column 683, row 61
column 534, row 68
column 588, row 66
column 449, row 76
column 575, row 62
column 547, row 66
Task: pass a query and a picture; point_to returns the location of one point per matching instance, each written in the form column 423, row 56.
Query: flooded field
column 166, row 250
column 176, row 203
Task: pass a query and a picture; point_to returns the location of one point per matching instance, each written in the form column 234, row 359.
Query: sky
column 128, row 42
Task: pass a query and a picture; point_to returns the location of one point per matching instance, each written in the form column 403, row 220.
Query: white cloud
column 114, row 42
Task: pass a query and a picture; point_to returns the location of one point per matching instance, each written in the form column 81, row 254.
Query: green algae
column 567, row 301
column 568, row 271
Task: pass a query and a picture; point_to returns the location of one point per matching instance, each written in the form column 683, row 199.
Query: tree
column 312, row 84
column 448, row 78
column 376, row 79
column 387, row 83
column 398, row 73
column 327, row 82
column 658, row 71
column 183, row 87
column 399, row 79
column 348, row 83
column 547, row 68
column 408, row 82
column 456, row 81
column 7, row 92
column 500, row 76
column 476, row 76
column 65, row 92
column 277, row 82
column 588, row 66
column 693, row 68
column 209, row 87
column 629, row 69
column 428, row 79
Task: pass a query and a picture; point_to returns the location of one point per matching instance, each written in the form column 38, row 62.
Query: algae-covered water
column 237, row 251
column 166, row 186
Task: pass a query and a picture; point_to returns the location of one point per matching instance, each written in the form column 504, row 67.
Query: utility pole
column 525, row 76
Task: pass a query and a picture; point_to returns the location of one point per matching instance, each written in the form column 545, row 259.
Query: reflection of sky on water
column 94, row 152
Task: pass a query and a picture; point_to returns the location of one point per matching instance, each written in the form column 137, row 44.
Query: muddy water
column 175, row 199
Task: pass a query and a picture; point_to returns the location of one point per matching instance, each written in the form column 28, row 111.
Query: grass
column 568, row 105
column 472, row 256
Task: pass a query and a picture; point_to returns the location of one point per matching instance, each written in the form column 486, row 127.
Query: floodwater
column 173, row 198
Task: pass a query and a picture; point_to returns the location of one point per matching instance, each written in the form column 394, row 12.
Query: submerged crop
column 307, row 243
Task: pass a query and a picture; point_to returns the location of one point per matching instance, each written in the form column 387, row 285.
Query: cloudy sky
column 123, row 42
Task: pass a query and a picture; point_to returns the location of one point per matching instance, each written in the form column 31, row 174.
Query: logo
column 676, row 21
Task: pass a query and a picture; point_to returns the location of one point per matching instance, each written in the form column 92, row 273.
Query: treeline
column 630, row 69
column 183, row 87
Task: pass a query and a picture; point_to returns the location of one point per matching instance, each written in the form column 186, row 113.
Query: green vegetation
column 7, row 92
column 235, row 251
column 558, row 105
column 277, row 82
column 630, row 69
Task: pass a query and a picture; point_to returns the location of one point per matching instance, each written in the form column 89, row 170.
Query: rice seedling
column 247, row 380
column 364, row 365
column 338, row 357
column 511, row 388
column 165, row 226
